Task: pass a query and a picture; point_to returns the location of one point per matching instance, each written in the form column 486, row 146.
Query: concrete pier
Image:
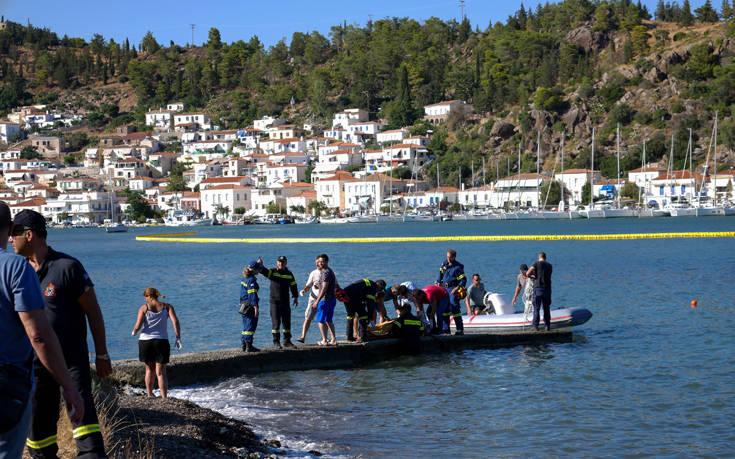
column 210, row 366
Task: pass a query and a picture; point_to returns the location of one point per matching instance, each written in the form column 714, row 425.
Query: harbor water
column 648, row 376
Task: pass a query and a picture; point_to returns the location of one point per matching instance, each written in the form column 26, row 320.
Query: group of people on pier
column 365, row 299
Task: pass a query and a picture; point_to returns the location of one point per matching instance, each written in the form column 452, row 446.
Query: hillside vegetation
column 561, row 69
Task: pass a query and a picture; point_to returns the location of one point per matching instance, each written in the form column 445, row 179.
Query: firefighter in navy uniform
column 410, row 328
column 358, row 297
column 282, row 282
column 249, row 306
column 70, row 302
column 452, row 277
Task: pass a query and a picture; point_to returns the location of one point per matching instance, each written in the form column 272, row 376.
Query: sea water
column 648, row 375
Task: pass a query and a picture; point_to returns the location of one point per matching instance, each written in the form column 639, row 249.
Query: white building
column 349, row 117
column 175, row 106
column 515, row 191
column 201, row 120
column 438, row 113
column 394, row 135
column 266, row 122
column 8, row 130
column 642, row 176
column 229, row 197
column 575, row 179
column 159, row 118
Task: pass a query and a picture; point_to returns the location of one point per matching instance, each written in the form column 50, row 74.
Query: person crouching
column 410, row 328
column 249, row 306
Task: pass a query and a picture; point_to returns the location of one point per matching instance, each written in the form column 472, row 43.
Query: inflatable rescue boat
column 504, row 318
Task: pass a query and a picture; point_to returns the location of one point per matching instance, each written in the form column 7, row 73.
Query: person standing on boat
column 153, row 347
column 452, row 277
column 475, row 296
column 70, row 300
column 540, row 272
column 282, row 282
column 525, row 286
column 312, row 287
column 249, row 308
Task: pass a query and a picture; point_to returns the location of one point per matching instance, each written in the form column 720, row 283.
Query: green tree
column 317, row 207
column 149, row 43
column 706, row 13
column 701, row 62
column 214, row 41
column 726, row 10
column 138, row 208
column 29, row 152
column 401, row 113
column 274, row 208
column 629, row 190
column 586, row 191
column 176, row 178
column 685, row 16
column 639, row 39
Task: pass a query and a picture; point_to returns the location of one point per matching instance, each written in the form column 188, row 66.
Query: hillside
column 561, row 69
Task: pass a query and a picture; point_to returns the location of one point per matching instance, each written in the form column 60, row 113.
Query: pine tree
column 686, row 18
column 726, row 10
column 661, row 11
column 706, row 13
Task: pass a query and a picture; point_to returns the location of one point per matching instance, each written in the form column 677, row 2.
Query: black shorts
column 154, row 350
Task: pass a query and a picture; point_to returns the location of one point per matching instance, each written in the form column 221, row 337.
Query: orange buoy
column 694, row 303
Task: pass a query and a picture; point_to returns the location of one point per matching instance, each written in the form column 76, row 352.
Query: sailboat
column 590, row 211
column 114, row 226
column 713, row 209
column 618, row 211
column 643, row 211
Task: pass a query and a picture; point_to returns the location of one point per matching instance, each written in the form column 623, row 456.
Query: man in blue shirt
column 22, row 317
column 451, row 277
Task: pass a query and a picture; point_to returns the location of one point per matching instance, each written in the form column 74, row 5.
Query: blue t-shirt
column 19, row 291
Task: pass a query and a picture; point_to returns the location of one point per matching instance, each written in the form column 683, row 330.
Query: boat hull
column 560, row 318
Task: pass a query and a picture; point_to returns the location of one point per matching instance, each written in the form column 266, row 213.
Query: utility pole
column 192, row 35
column 461, row 7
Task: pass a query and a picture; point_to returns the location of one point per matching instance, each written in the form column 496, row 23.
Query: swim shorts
column 325, row 311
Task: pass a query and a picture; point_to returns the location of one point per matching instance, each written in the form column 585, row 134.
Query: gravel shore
column 173, row 428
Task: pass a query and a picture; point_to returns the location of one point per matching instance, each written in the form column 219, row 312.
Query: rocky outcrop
column 586, row 39
column 502, row 129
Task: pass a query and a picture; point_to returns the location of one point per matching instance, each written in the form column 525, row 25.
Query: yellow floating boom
column 492, row 238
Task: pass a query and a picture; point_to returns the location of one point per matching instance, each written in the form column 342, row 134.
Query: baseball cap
column 31, row 220
column 253, row 264
column 283, row 258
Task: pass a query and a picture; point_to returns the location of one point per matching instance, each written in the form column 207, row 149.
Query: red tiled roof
column 228, row 187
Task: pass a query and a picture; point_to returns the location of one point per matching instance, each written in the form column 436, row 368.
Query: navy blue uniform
column 282, row 281
column 361, row 297
column 249, row 293
column 410, row 331
column 542, row 293
column 451, row 276
column 63, row 280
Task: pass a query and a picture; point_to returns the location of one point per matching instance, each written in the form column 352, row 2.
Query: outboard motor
column 498, row 303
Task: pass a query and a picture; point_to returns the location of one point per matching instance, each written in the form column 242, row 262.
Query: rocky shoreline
column 142, row 427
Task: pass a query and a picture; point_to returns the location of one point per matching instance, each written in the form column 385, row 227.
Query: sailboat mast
column 618, row 152
column 689, row 153
column 563, row 138
column 538, row 170
column 519, row 175
column 671, row 166
column 592, row 165
column 714, row 179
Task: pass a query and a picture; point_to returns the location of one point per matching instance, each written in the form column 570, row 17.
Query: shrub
column 677, row 107
column 679, row 36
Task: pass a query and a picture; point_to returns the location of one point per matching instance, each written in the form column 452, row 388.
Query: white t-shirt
column 313, row 280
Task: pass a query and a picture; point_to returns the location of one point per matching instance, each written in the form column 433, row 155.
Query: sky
column 240, row 20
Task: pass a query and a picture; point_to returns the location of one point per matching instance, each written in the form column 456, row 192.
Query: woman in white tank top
column 153, row 347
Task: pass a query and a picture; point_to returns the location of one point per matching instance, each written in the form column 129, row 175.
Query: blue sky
column 236, row 20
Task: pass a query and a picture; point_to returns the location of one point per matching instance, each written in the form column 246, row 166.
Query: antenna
column 461, row 7
column 192, row 34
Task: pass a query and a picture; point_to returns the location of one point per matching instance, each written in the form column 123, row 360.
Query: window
column 661, row 190
column 673, row 188
column 683, row 189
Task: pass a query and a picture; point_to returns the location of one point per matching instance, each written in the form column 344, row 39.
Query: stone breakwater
column 210, row 366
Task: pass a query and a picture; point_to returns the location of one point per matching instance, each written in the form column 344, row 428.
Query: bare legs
column 153, row 371
column 328, row 326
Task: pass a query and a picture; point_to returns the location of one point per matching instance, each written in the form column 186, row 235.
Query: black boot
column 287, row 342
column 350, row 331
column 277, row 344
column 248, row 347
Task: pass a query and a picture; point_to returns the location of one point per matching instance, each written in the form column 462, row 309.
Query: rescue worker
column 452, row 277
column 282, row 281
column 438, row 300
column 358, row 297
column 70, row 300
column 410, row 328
column 249, row 306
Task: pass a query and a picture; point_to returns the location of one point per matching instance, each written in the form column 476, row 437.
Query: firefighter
column 282, row 282
column 249, row 306
column 452, row 277
column 359, row 297
column 410, row 328
column 70, row 302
